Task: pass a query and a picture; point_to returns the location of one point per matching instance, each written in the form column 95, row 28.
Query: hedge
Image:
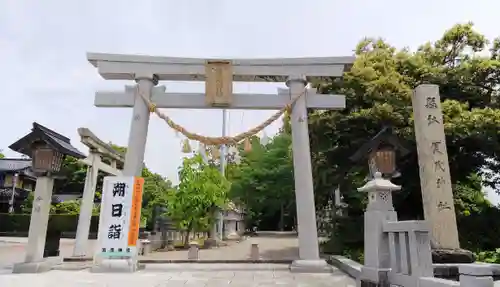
column 18, row 224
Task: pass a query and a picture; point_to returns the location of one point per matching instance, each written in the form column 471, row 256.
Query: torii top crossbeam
column 126, row 67
column 97, row 149
column 94, row 143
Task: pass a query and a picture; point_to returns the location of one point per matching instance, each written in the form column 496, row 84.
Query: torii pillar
column 304, row 191
column 97, row 149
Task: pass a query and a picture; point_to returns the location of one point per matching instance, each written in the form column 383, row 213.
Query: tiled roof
column 39, row 132
column 14, row 164
column 60, row 140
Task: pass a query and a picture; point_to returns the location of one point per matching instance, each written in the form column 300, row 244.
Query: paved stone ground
column 170, row 275
column 275, row 248
column 12, row 250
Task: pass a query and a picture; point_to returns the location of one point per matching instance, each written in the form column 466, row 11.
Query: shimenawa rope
column 217, row 140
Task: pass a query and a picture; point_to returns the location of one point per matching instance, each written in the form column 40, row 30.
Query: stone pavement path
column 170, row 275
column 271, row 248
column 12, row 250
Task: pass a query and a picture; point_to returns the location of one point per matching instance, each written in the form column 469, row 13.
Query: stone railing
column 411, row 259
column 409, row 250
column 398, row 253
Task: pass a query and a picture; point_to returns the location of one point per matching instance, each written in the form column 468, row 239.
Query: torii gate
column 97, row 149
column 219, row 74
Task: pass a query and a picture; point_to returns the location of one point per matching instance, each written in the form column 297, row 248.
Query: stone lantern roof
column 55, row 140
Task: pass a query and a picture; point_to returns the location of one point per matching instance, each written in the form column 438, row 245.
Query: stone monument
column 435, row 181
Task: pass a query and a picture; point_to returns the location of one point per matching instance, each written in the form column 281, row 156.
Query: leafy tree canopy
column 378, row 92
column 201, row 189
column 264, row 184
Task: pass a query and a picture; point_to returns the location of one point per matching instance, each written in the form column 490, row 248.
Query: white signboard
column 119, row 218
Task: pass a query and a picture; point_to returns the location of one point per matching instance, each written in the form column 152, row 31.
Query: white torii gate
column 148, row 70
column 97, row 149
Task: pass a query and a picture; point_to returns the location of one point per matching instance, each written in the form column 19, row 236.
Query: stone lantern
column 378, row 211
column 47, row 150
column 381, row 152
column 379, row 193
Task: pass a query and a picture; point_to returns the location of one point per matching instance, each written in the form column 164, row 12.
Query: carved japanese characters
column 435, row 180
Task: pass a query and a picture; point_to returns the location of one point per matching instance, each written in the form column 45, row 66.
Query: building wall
column 232, row 215
column 22, row 182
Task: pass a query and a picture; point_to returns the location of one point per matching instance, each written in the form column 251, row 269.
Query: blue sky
column 45, row 76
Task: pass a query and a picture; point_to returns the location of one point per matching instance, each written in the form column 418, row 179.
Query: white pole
column 304, row 194
column 223, row 154
column 11, row 202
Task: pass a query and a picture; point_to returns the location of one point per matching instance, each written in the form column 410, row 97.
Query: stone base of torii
column 147, row 71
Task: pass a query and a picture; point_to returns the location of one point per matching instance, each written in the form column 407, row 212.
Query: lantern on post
column 46, row 159
column 47, row 150
column 381, row 152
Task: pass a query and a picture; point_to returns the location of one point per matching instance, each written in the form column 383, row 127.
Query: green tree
column 1, row 154
column 70, row 207
column 155, row 194
column 264, row 184
column 201, row 189
column 378, row 91
column 72, row 179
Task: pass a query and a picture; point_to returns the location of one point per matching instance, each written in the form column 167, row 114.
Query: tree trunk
column 188, row 232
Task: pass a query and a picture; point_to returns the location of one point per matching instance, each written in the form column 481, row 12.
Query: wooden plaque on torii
column 218, row 83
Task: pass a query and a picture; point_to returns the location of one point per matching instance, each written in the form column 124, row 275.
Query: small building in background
column 15, row 177
column 234, row 222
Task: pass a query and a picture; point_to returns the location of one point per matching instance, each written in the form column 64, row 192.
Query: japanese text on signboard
column 120, row 216
column 114, row 221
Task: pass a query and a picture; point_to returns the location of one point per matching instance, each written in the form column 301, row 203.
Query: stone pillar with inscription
column 435, row 182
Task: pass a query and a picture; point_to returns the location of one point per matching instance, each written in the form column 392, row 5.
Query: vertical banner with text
column 135, row 212
column 120, row 216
